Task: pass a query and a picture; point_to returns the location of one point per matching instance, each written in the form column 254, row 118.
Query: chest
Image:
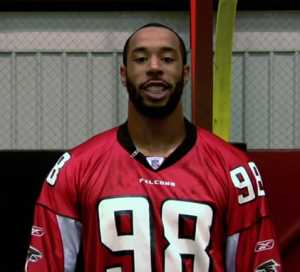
column 125, row 180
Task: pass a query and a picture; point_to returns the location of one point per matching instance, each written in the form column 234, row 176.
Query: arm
column 56, row 230
column 54, row 242
column 254, row 249
column 251, row 243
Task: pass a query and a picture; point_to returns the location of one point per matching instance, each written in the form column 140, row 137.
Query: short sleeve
column 247, row 198
column 59, row 192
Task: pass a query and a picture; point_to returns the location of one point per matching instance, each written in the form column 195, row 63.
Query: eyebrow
column 144, row 49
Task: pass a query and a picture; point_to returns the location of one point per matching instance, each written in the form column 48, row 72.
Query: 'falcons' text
column 157, row 182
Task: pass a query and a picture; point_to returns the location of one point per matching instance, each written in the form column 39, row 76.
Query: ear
column 123, row 75
column 186, row 74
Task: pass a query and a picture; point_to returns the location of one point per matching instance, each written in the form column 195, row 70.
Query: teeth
column 155, row 89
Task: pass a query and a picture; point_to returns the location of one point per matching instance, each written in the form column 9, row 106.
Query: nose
column 154, row 68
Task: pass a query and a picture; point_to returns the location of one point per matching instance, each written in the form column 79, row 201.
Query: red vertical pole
column 202, row 62
column 193, row 59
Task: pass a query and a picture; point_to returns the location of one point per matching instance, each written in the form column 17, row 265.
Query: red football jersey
column 201, row 209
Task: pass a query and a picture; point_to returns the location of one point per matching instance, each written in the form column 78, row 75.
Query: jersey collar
column 186, row 145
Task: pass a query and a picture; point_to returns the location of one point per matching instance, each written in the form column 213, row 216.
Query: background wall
column 59, row 76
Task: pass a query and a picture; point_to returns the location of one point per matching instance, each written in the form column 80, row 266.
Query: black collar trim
column 186, row 145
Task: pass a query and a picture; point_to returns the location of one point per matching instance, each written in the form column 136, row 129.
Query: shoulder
column 97, row 145
column 235, row 166
column 212, row 145
column 241, row 178
column 77, row 160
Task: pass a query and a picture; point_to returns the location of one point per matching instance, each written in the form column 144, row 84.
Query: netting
column 265, row 99
column 59, row 74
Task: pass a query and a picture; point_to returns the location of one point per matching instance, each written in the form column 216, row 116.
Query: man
column 156, row 193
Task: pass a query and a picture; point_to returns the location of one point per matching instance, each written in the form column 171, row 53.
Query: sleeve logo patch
column 268, row 266
column 264, row 245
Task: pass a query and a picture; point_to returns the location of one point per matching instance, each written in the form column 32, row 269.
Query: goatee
column 152, row 111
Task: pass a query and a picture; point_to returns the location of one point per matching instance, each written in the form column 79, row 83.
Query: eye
column 167, row 59
column 141, row 60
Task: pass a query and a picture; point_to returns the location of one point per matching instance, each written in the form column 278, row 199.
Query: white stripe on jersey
column 231, row 249
column 70, row 231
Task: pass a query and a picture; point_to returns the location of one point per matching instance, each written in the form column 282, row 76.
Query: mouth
column 156, row 87
column 156, row 92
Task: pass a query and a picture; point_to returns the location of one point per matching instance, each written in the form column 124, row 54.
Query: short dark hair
column 181, row 42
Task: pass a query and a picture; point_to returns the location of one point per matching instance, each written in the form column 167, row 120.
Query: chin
column 155, row 104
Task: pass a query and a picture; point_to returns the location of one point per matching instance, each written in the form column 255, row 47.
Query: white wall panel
column 282, row 101
column 237, row 128
column 76, row 89
column 265, row 95
column 26, row 100
column 53, row 99
column 257, row 100
column 103, row 92
column 6, row 99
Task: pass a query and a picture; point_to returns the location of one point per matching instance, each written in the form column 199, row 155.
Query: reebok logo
column 264, row 245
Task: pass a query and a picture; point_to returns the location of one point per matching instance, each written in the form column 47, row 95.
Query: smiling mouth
column 155, row 89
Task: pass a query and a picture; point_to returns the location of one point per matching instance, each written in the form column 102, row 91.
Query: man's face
column 155, row 74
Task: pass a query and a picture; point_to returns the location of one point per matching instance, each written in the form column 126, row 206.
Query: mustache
column 142, row 85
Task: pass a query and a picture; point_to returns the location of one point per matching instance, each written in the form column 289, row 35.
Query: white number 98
column 242, row 181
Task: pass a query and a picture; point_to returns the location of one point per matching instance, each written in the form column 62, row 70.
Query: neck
column 156, row 137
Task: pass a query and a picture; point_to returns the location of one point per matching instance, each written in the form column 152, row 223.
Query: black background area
column 22, row 174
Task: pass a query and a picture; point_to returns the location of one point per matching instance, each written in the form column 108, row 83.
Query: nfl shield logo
column 155, row 163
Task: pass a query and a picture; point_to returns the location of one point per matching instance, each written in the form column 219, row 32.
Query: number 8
column 52, row 177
